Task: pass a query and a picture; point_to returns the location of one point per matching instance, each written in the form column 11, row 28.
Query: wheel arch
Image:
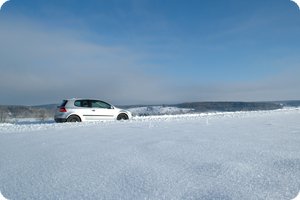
column 73, row 114
column 122, row 113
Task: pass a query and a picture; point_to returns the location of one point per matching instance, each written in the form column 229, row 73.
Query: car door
column 102, row 110
column 85, row 110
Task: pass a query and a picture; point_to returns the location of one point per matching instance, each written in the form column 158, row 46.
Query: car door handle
column 93, row 110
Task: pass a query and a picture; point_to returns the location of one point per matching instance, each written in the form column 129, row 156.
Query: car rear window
column 63, row 104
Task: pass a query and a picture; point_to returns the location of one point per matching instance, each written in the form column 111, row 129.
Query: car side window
column 85, row 103
column 100, row 104
column 82, row 103
column 77, row 103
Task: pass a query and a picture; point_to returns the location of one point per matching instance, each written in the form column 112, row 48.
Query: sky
column 149, row 51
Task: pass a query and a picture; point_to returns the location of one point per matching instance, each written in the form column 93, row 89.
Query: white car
column 79, row 110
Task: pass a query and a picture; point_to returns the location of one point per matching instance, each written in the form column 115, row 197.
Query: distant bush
column 3, row 116
column 19, row 112
column 290, row 103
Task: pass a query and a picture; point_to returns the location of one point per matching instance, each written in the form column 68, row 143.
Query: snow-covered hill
column 234, row 155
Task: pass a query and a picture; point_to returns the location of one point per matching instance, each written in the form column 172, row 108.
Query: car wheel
column 73, row 118
column 122, row 117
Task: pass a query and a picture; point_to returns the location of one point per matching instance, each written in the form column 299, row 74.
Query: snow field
column 244, row 155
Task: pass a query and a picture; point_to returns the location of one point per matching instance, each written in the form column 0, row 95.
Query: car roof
column 74, row 99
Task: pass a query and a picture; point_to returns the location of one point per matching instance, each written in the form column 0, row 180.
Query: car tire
column 73, row 118
column 122, row 116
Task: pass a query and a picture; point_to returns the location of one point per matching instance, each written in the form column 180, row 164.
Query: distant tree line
column 230, row 106
column 47, row 111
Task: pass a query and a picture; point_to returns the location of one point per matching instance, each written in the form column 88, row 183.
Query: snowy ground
column 244, row 155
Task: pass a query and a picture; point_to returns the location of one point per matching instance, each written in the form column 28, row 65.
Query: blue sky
column 149, row 51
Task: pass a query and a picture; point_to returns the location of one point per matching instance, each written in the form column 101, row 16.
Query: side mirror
column 112, row 107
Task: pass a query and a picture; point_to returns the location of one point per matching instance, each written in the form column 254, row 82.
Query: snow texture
column 228, row 156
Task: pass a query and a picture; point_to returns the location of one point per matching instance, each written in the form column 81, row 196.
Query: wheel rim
column 123, row 117
column 74, row 119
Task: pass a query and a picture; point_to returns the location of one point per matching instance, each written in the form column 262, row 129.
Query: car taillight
column 62, row 110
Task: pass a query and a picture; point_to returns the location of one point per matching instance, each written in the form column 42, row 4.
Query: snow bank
column 244, row 155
